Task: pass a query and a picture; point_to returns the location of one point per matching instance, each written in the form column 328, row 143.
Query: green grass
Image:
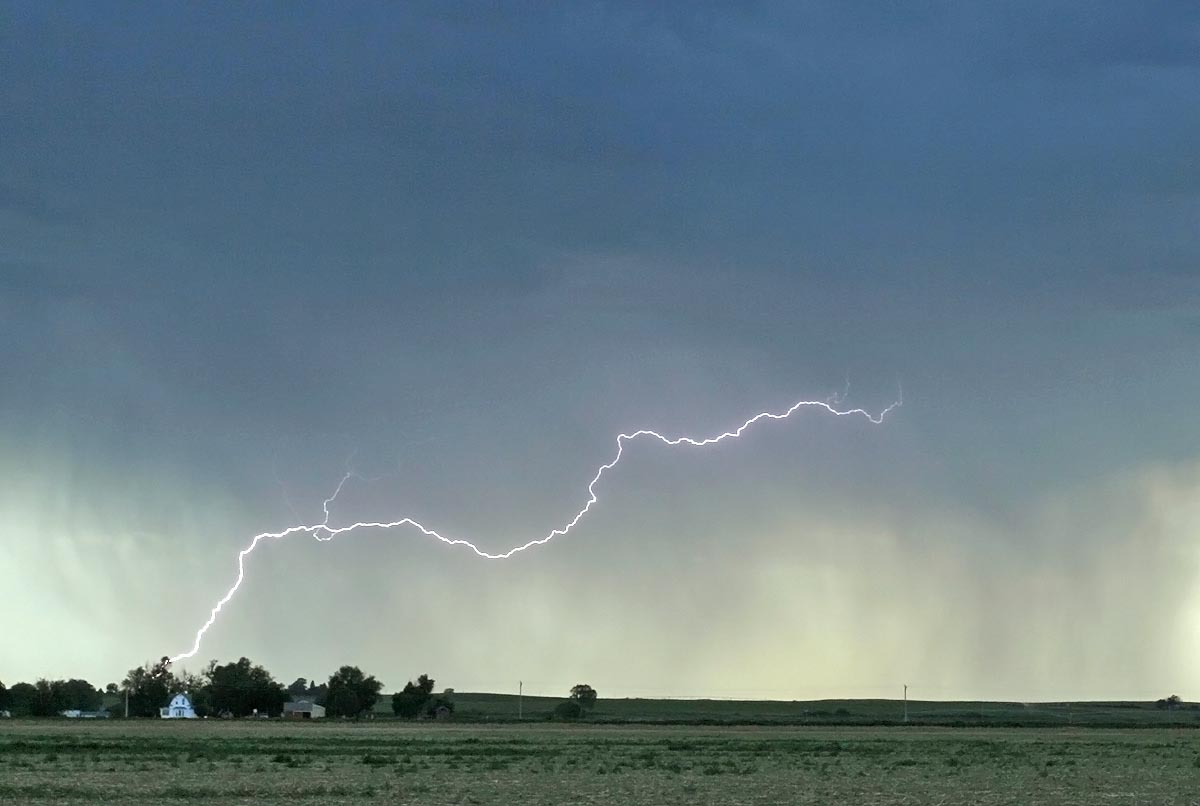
column 385, row 761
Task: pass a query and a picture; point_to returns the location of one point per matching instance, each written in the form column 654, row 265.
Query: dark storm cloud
column 1161, row 34
column 461, row 149
column 238, row 243
column 32, row 282
column 31, row 205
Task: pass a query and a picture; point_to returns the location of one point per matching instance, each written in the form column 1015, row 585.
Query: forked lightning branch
column 324, row 531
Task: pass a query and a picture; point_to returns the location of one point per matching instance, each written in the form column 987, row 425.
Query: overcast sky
column 243, row 249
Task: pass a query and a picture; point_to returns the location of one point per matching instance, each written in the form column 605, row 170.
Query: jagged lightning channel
column 324, row 532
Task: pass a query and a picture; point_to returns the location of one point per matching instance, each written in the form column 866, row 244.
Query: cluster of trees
column 303, row 689
column 417, row 699
column 578, row 705
column 50, row 697
column 148, row 688
column 350, row 693
column 237, row 689
column 242, row 688
column 1172, row 703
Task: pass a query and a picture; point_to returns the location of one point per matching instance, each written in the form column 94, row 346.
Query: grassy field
column 60, row 761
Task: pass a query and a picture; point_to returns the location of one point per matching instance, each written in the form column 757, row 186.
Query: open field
column 58, row 761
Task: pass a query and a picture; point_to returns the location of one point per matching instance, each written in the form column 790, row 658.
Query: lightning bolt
column 324, row 532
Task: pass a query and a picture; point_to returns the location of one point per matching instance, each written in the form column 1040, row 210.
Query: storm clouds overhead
column 245, row 249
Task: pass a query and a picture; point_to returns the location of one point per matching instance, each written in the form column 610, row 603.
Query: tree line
column 50, row 697
column 243, row 688
column 237, row 689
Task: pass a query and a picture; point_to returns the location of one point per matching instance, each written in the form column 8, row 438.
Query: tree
column 298, row 688
column 47, row 698
column 585, row 695
column 351, row 693
column 581, row 700
column 111, row 688
column 407, row 702
column 21, row 697
column 148, row 688
column 1171, row 703
column 241, row 688
column 414, row 698
column 5, row 698
column 344, row 701
column 568, row 710
column 434, row 703
column 78, row 695
column 425, row 684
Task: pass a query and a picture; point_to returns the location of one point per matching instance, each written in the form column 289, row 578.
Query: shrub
column 568, row 711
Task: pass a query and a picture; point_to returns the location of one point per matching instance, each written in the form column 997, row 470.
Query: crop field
column 58, row 761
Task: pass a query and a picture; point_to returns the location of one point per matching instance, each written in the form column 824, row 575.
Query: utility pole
column 127, row 703
column 520, row 696
column 906, row 702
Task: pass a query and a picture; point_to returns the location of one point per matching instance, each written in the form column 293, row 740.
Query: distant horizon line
column 910, row 700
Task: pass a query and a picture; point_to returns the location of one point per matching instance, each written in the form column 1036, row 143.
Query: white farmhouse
column 180, row 708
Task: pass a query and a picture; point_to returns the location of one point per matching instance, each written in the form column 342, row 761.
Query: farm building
column 179, row 708
column 303, row 709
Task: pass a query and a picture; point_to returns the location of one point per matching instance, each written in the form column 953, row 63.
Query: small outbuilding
column 180, row 707
column 303, row 709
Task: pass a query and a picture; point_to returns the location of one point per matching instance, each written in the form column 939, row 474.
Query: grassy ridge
column 504, row 707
